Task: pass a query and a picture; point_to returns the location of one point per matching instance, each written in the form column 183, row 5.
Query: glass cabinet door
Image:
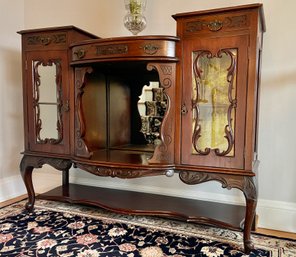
column 214, row 99
column 48, row 102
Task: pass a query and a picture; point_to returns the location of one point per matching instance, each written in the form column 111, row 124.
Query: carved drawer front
column 46, row 40
column 204, row 24
column 126, row 48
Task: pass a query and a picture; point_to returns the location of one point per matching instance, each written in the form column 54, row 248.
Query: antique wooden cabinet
column 47, row 80
column 197, row 114
column 218, row 99
column 48, row 95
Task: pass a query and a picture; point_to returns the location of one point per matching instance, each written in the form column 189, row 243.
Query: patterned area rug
column 61, row 229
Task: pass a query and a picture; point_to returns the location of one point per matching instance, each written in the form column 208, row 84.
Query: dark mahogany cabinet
column 221, row 52
column 48, row 95
column 132, row 107
column 48, row 118
column 218, row 98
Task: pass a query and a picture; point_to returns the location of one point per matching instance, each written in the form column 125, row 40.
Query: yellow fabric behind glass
column 213, row 102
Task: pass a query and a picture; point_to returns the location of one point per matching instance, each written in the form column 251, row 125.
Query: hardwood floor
column 13, row 200
column 277, row 233
column 263, row 231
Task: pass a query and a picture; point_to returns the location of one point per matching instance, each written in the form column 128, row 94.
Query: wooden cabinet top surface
column 58, row 38
column 57, row 29
column 224, row 11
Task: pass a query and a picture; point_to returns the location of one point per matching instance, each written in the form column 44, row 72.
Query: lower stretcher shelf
column 129, row 202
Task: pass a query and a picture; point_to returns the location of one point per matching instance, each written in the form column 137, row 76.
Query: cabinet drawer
column 46, row 40
column 129, row 48
column 216, row 22
column 205, row 24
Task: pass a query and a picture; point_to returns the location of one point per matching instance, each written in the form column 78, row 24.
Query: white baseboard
column 11, row 187
column 277, row 215
column 189, row 193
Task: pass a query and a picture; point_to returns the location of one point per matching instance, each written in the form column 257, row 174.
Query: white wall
column 277, row 137
column 11, row 124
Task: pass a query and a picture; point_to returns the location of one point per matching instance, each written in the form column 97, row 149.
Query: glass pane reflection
column 48, row 116
column 152, row 107
column 47, row 88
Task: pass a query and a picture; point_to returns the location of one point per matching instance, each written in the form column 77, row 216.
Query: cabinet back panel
column 94, row 109
column 119, row 112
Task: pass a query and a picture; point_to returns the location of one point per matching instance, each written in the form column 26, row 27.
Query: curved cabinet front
column 111, row 77
column 148, row 48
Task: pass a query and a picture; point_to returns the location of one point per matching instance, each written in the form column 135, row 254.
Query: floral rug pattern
column 61, row 229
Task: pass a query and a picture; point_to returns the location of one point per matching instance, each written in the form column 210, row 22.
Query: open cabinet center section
column 121, row 107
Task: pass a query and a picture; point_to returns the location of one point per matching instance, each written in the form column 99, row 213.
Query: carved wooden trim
column 165, row 152
column 38, row 162
column 244, row 183
column 166, row 69
column 229, row 133
column 47, row 39
column 28, row 163
column 150, row 49
column 124, row 173
column 111, row 49
column 217, row 24
column 36, row 103
column 250, row 188
column 81, row 148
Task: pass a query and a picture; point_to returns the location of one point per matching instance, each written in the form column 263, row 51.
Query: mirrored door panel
column 48, row 101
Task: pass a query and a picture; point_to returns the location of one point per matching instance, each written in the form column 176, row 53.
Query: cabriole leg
column 26, row 171
column 244, row 183
column 250, row 192
column 27, row 165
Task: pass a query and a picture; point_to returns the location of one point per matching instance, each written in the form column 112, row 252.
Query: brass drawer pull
column 45, row 40
column 215, row 25
column 80, row 53
column 150, row 49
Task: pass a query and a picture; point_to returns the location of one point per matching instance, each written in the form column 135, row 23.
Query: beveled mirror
column 152, row 107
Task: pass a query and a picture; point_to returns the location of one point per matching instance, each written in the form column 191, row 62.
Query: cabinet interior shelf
column 125, row 156
column 137, row 148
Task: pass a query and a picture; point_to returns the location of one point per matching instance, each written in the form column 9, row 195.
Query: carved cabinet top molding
column 148, row 48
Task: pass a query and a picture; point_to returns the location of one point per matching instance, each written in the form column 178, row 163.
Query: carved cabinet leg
column 250, row 192
column 243, row 183
column 26, row 169
column 27, row 165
